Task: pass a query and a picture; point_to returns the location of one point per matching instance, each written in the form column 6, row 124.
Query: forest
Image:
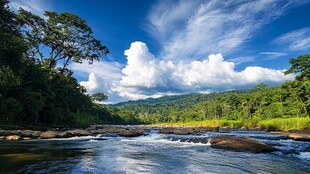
column 285, row 107
column 38, row 89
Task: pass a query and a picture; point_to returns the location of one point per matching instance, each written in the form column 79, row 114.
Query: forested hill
column 192, row 98
column 171, row 98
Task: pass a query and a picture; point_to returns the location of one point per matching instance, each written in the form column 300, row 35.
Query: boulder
column 9, row 132
column 132, row 133
column 49, row 134
column 79, row 132
column 176, row 130
column 240, row 144
column 13, row 137
column 167, row 130
column 5, row 133
column 114, row 130
column 97, row 131
column 65, row 134
column 206, row 129
column 31, row 133
column 299, row 136
column 183, row 131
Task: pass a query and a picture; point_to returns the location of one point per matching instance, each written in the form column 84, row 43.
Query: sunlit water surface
column 152, row 153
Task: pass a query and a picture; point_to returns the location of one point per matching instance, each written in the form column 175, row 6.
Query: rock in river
column 31, row 133
column 13, row 137
column 132, row 133
column 79, row 132
column 300, row 136
column 240, row 144
column 54, row 134
column 176, row 130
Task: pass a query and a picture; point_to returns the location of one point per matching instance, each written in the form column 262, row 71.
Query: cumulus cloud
column 296, row 40
column 147, row 76
column 101, row 77
column 194, row 29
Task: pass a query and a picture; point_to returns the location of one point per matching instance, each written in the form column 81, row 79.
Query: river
column 151, row 153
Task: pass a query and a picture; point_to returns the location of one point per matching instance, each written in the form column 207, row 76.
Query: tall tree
column 67, row 37
column 300, row 66
column 301, row 86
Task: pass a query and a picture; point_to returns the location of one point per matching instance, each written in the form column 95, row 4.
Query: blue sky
column 175, row 47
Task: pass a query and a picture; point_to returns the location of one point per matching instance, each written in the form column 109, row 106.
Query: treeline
column 36, row 86
column 38, row 89
column 291, row 99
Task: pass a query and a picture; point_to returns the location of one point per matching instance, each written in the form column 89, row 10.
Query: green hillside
column 249, row 108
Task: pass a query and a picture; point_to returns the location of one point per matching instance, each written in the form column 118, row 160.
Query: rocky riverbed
column 144, row 149
column 230, row 142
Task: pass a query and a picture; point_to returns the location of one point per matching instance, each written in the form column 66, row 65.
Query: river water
column 151, row 153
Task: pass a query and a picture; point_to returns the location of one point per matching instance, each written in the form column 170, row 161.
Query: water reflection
column 155, row 153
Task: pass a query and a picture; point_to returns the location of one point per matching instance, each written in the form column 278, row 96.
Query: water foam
column 163, row 139
column 304, row 155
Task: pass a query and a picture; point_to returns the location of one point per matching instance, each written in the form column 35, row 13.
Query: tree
column 99, row 97
column 301, row 85
column 66, row 36
column 300, row 66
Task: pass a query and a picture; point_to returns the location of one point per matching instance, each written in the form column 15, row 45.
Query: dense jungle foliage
column 37, row 88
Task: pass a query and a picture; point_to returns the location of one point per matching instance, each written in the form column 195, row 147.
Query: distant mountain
column 163, row 99
column 180, row 99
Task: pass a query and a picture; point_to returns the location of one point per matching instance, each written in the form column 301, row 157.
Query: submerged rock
column 240, row 144
column 202, row 140
column 27, row 138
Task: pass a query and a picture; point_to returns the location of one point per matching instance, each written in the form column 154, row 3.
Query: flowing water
column 151, row 153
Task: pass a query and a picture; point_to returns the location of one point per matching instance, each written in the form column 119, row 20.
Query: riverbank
column 134, row 131
column 276, row 124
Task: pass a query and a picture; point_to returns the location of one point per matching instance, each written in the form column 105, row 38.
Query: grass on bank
column 284, row 124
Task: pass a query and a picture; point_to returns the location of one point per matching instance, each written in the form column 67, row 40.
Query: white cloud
column 272, row 55
column 93, row 83
column 276, row 54
column 102, row 77
column 147, row 76
column 193, row 29
column 296, row 40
